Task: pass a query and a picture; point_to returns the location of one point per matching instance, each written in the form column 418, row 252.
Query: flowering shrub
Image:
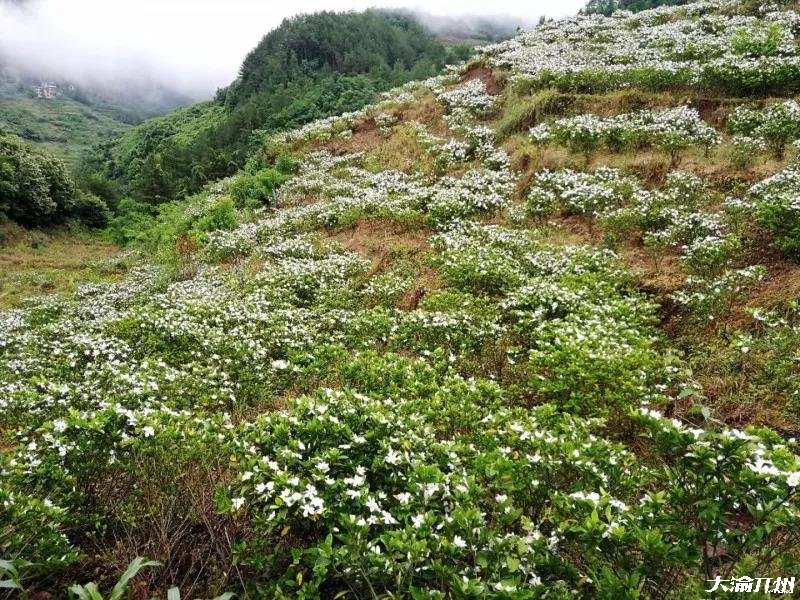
column 579, row 193
column 774, row 202
column 671, row 130
column 33, row 529
column 670, row 216
column 709, row 255
column 708, row 298
column 451, row 406
column 745, row 149
column 775, row 126
column 782, row 217
column 470, row 97
column 475, row 192
column 699, row 45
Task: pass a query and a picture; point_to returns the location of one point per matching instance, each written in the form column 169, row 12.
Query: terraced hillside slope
column 64, row 127
column 527, row 329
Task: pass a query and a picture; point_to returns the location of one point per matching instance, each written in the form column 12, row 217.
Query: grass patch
column 54, row 263
column 63, row 127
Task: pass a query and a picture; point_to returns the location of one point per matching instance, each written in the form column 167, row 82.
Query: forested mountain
column 606, row 7
column 372, row 42
column 310, row 67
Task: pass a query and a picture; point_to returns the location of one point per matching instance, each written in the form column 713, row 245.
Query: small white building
column 46, row 90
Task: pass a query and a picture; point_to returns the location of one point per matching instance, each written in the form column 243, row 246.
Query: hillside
column 81, row 115
column 64, row 127
column 310, row 67
column 607, row 7
column 525, row 329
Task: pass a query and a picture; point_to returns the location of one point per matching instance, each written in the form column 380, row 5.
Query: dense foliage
column 346, row 43
column 310, row 67
column 696, row 46
column 36, row 189
column 394, row 356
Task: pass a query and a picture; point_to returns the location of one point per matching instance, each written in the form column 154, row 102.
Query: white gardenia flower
column 793, row 479
column 392, row 457
column 459, row 542
column 238, row 503
column 148, row 431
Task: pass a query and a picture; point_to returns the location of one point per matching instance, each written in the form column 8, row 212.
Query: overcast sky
column 199, row 44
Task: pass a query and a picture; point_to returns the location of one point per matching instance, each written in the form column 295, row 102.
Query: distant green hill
column 65, row 127
column 80, row 116
column 310, row 67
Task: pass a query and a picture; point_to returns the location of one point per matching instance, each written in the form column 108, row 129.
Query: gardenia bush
column 671, row 130
column 377, row 385
column 703, row 45
column 775, row 204
column 774, row 127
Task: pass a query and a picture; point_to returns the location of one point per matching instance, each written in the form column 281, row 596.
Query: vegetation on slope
column 36, row 189
column 33, row 263
column 310, row 67
column 607, row 7
column 524, row 330
column 81, row 115
column 64, row 127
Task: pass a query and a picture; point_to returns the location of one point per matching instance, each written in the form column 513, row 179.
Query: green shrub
column 286, row 164
column 745, row 150
column 91, row 210
column 35, row 188
column 781, row 216
column 221, row 215
column 257, row 189
column 131, row 221
column 764, row 40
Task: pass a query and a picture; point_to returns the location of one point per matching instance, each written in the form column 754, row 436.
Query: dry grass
column 426, row 110
column 378, row 240
column 61, row 263
column 402, row 151
column 366, row 136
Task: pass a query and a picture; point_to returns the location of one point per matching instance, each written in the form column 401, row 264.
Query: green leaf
column 80, row 592
column 136, row 565
column 8, row 566
column 8, row 584
column 86, row 592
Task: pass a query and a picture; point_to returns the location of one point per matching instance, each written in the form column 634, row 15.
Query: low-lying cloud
column 192, row 46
